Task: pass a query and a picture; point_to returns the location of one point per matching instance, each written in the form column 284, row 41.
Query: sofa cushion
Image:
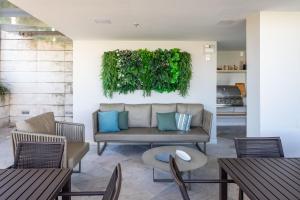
column 139, row 115
column 112, row 107
column 44, row 123
column 123, row 120
column 196, row 110
column 160, row 108
column 108, row 121
column 166, row 121
column 183, row 121
column 75, row 152
column 196, row 134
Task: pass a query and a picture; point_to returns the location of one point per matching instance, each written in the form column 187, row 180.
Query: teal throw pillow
column 166, row 121
column 108, row 121
column 183, row 121
column 123, row 120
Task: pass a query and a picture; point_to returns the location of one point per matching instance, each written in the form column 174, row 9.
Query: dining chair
column 38, row 155
column 112, row 191
column 181, row 183
column 258, row 147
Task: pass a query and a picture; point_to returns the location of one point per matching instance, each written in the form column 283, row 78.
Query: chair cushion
column 123, row 120
column 196, row 134
column 75, row 152
column 108, row 121
column 161, row 108
column 196, row 110
column 139, row 115
column 166, row 121
column 112, row 107
column 44, row 123
column 183, row 121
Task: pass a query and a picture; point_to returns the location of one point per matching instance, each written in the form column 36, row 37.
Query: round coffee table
column 198, row 159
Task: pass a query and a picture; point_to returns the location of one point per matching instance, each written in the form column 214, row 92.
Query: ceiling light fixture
column 137, row 25
column 13, row 20
column 53, row 29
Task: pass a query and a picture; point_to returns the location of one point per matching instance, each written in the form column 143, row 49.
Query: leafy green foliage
column 162, row 70
column 3, row 91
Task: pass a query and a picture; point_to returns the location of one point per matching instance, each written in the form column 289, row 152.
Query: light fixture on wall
column 53, row 29
column 209, row 49
column 13, row 20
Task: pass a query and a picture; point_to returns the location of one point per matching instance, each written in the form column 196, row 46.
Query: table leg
column 67, row 188
column 223, row 186
column 189, row 178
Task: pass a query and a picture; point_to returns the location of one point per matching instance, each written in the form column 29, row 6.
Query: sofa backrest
column 144, row 115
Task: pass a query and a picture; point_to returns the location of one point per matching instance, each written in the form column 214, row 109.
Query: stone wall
column 38, row 73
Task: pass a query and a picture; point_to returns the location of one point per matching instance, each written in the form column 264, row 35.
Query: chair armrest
column 207, row 121
column 21, row 136
column 87, row 193
column 74, row 132
column 95, row 122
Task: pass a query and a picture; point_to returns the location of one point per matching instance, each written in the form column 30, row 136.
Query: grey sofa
column 142, row 125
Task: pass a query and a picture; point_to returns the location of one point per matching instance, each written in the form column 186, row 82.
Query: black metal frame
column 181, row 183
column 100, row 149
column 79, row 168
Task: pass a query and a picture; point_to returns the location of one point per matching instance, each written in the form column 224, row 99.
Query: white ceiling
column 158, row 19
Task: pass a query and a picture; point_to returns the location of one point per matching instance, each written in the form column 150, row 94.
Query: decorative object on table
column 108, row 121
column 123, row 120
column 166, row 121
column 162, row 70
column 164, row 156
column 183, row 155
column 183, row 121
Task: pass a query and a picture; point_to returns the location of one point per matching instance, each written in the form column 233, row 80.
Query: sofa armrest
column 95, row 122
column 21, row 136
column 207, row 121
column 74, row 132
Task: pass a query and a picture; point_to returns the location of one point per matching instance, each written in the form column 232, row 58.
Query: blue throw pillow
column 183, row 121
column 108, row 121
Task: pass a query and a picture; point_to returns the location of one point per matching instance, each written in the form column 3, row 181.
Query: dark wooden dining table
column 262, row 178
column 43, row 184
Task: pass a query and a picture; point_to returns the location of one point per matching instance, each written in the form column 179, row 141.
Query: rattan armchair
column 112, row 191
column 38, row 155
column 71, row 134
column 258, row 147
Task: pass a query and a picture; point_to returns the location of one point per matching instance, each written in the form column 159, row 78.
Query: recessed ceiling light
column 102, row 21
column 136, row 25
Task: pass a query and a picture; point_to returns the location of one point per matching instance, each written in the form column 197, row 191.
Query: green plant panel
column 162, row 70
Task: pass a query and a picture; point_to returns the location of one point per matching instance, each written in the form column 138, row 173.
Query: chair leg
column 79, row 168
column 200, row 149
column 100, row 150
column 241, row 194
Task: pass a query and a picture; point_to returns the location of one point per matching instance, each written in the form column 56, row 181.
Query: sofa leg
column 200, row 149
column 79, row 168
column 100, row 150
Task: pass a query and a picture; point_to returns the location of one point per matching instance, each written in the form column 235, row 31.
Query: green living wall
column 162, row 70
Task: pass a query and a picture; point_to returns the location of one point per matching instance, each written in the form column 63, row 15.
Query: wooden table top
column 265, row 178
column 32, row 183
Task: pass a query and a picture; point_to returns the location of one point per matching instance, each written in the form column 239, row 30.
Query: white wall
column 87, row 88
column 253, row 75
column 279, row 41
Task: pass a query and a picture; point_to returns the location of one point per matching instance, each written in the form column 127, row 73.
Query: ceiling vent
column 228, row 22
column 102, row 21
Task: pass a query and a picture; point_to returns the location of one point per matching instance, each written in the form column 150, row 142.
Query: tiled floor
column 137, row 177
